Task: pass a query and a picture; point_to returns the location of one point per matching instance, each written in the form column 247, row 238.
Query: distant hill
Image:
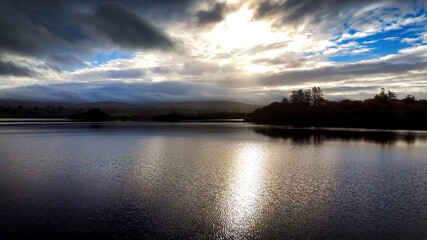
column 210, row 106
column 104, row 105
column 123, row 111
column 213, row 106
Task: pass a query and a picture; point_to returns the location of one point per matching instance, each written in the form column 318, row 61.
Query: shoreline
column 39, row 121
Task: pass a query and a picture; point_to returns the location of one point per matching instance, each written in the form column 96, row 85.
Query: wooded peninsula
column 309, row 108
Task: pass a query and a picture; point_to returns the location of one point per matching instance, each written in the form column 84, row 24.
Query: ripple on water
column 204, row 181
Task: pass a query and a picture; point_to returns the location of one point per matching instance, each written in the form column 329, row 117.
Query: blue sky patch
column 384, row 42
column 103, row 57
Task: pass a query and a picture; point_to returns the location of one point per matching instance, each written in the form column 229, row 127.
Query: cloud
column 287, row 60
column 149, row 50
column 409, row 40
column 391, row 39
column 123, row 92
column 345, row 19
column 413, row 59
column 294, row 11
column 111, row 74
column 214, row 15
column 124, row 28
column 337, row 73
column 19, row 34
column 64, row 32
column 125, row 74
column 11, row 69
column 164, row 10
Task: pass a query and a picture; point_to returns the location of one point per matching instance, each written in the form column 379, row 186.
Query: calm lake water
column 210, row 181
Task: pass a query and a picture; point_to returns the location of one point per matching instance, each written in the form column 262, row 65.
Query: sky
column 139, row 51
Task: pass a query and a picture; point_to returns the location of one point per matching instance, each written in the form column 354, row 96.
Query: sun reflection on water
column 246, row 187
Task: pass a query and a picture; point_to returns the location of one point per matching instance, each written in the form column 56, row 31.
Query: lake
column 210, row 181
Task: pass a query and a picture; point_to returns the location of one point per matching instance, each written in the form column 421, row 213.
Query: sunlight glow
column 240, row 31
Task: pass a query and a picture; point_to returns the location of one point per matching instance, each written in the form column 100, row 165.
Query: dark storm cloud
column 124, row 28
column 164, row 10
column 216, row 14
column 11, row 69
column 18, row 34
column 66, row 59
column 62, row 31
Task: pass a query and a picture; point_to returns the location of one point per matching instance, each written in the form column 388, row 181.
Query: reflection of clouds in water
column 244, row 196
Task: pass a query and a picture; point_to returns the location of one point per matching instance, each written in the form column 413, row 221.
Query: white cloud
column 370, row 42
column 391, row 39
column 412, row 20
column 409, row 40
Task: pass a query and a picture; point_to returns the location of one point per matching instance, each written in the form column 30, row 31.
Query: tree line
column 310, row 108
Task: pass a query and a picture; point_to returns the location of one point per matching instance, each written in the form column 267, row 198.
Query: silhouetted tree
column 317, row 96
column 313, row 97
column 386, row 97
column 297, row 97
column 308, row 98
column 391, row 95
column 382, row 96
column 285, row 100
column 94, row 114
column 302, row 97
column 409, row 99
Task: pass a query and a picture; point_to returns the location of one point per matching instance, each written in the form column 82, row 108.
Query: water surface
column 210, row 180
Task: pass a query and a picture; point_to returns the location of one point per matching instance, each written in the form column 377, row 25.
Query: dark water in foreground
column 210, row 181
